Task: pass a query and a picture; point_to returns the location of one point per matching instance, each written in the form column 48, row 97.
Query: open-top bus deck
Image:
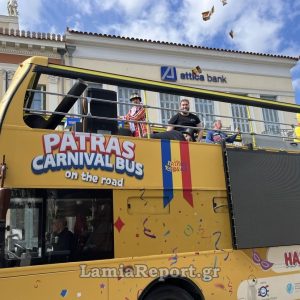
column 149, row 218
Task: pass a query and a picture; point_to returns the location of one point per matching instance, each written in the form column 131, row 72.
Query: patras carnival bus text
column 87, row 150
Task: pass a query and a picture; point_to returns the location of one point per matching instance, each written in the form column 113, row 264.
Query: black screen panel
column 264, row 194
column 102, row 109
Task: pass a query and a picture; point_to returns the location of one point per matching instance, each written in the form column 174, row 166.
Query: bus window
column 79, row 225
column 23, row 241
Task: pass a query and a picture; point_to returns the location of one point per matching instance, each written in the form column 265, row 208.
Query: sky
column 263, row 26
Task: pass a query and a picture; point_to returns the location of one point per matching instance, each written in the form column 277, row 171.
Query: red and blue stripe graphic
column 167, row 176
column 168, row 192
column 186, row 173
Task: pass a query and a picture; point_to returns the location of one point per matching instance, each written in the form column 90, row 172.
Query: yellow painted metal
column 153, row 236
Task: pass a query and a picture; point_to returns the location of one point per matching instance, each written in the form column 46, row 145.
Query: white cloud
column 30, row 13
column 197, row 30
column 257, row 24
column 296, row 84
column 296, row 81
column 3, row 8
column 291, row 50
column 130, row 8
column 152, row 24
column 84, row 7
column 255, row 33
column 294, row 10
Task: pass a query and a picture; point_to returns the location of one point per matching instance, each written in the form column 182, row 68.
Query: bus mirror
column 4, row 202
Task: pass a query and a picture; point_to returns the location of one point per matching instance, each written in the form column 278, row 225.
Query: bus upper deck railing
column 283, row 133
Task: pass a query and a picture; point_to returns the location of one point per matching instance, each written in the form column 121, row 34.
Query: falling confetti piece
column 220, row 286
column 64, row 293
column 231, row 33
column 166, row 233
column 197, row 70
column 147, row 231
column 174, row 258
column 206, row 15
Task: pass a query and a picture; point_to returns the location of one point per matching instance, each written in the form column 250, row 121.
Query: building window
column 93, row 85
column 123, row 96
column 240, row 117
column 206, row 110
column 271, row 118
column 169, row 102
column 39, row 99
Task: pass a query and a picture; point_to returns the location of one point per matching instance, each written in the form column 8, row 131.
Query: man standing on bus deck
column 185, row 118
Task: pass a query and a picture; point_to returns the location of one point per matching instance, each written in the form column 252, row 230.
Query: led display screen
column 264, row 197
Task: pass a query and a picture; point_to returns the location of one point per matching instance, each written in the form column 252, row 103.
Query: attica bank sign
column 169, row 73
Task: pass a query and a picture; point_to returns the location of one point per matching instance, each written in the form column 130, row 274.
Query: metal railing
column 287, row 133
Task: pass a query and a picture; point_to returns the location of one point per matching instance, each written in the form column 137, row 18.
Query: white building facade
column 258, row 75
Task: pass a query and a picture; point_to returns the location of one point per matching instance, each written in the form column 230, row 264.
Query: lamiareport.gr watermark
column 143, row 271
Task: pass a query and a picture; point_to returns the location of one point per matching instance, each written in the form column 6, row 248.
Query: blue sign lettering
column 168, row 73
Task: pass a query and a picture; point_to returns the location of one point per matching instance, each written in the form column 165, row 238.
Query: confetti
column 197, row 70
column 64, row 293
column 206, row 15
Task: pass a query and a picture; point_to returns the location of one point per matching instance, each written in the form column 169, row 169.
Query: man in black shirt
column 185, row 118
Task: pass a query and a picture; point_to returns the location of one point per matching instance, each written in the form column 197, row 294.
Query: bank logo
column 168, row 73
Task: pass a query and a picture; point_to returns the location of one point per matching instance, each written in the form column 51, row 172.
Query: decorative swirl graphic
column 174, row 258
column 229, row 285
column 36, row 285
column 218, row 234
column 142, row 193
column 148, row 231
column 188, row 231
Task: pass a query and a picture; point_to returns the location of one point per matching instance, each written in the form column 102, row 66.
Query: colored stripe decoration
column 183, row 167
column 167, row 176
column 186, row 173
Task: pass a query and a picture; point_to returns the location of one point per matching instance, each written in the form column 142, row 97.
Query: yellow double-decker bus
column 88, row 213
